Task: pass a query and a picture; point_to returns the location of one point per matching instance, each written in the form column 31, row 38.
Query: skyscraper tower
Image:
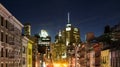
column 72, row 34
column 27, row 29
column 65, row 37
column 44, row 42
column 68, row 31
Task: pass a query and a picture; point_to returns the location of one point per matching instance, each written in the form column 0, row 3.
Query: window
column 2, row 21
column 29, row 60
column 19, row 64
column 30, row 52
column 23, row 60
column 1, row 64
column 2, row 52
column 2, row 36
column 6, row 50
column 23, row 49
column 6, row 65
column 6, row 38
column 6, row 24
column 11, row 27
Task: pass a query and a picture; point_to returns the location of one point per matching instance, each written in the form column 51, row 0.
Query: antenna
column 68, row 18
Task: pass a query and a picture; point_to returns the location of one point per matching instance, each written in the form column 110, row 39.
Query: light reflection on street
column 60, row 65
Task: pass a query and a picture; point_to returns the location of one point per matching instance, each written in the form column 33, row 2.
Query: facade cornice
column 5, row 12
column 25, row 40
column 7, row 15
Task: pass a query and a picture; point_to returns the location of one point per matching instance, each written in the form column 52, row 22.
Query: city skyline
column 88, row 16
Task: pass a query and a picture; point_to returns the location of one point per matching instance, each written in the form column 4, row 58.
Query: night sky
column 51, row 15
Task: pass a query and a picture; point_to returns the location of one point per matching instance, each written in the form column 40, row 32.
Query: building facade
column 33, row 39
column 92, row 59
column 97, row 49
column 115, row 57
column 82, row 53
column 10, row 39
column 112, row 44
column 93, row 54
column 24, row 51
column 105, row 58
column 29, row 53
column 44, row 42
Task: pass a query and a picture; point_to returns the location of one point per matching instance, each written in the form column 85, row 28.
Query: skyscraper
column 65, row 37
column 70, row 34
column 44, row 42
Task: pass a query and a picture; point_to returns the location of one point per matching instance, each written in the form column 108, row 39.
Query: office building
column 44, row 42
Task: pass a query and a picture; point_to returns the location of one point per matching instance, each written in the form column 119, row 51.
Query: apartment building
column 10, row 39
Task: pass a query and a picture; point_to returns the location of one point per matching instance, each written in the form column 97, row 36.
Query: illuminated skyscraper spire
column 68, row 18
